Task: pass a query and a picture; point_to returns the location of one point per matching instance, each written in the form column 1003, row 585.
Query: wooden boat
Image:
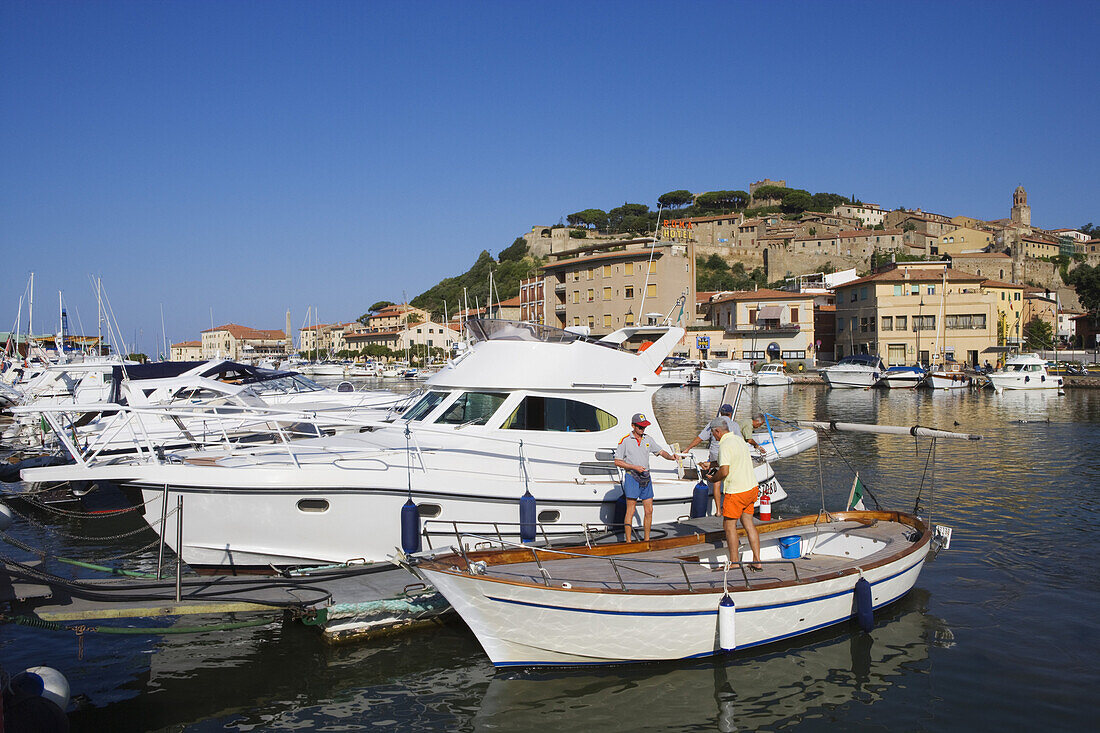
column 630, row 602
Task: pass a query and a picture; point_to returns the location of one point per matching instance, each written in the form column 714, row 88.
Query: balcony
column 559, row 288
column 559, row 307
column 762, row 329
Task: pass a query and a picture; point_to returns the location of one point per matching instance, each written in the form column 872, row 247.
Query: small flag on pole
column 855, row 496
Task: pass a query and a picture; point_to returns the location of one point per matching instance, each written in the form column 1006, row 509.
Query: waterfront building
column 241, row 343
column 532, row 302
column 325, row 338
column 186, row 351
column 621, row 283
column 508, row 310
column 1010, row 310
column 916, row 311
column 751, row 321
column 418, row 336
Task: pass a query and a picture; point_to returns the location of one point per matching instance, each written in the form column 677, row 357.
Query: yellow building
column 751, row 320
column 916, row 311
column 240, row 343
column 1036, row 248
column 186, row 351
column 962, row 239
column 1009, row 298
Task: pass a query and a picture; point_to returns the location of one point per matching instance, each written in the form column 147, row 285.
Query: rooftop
column 238, row 331
column 763, row 294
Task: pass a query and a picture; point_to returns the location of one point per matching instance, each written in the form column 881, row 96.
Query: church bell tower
column 1021, row 212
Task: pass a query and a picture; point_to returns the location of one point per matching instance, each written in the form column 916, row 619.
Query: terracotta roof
column 630, row 253
column 510, row 302
column 998, row 284
column 238, row 331
column 916, row 274
column 702, row 296
column 764, row 294
column 372, row 334
column 986, row 255
column 187, row 343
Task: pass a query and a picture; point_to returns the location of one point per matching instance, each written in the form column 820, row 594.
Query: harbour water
column 998, row 633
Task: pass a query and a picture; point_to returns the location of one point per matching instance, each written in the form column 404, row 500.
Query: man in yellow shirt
column 739, row 489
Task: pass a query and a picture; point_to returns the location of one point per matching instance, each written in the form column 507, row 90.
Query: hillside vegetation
column 514, row 264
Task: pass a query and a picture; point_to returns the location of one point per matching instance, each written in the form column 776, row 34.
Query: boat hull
column 523, row 625
column 849, row 378
column 1024, row 381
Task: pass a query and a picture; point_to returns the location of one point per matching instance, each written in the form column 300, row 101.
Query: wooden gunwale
column 455, row 564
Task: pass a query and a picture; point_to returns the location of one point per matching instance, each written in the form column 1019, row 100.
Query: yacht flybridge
column 525, row 408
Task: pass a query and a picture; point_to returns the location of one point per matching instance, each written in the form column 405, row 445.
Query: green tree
column 592, row 218
column 1085, row 280
column 1038, row 334
column 1093, row 232
column 138, row 357
column 795, row 201
column 516, row 251
column 714, row 201
column 769, row 192
column 676, row 199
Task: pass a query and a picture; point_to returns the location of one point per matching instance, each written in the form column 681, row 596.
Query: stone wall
column 782, row 261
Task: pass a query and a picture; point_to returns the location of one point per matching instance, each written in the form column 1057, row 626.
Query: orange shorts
column 734, row 505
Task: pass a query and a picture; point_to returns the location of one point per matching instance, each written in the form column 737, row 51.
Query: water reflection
column 741, row 691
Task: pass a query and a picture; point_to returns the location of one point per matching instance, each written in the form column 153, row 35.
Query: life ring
column 801, row 367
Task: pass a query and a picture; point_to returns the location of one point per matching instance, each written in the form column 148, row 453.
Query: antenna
column 649, row 264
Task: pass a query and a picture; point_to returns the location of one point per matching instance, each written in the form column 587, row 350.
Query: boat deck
column 701, row 566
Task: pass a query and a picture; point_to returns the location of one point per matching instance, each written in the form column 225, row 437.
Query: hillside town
column 906, row 285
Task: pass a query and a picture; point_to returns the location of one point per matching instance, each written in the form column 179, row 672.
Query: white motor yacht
column 904, row 377
column 525, row 408
column 858, row 371
column 773, row 375
column 719, row 373
column 1024, row 371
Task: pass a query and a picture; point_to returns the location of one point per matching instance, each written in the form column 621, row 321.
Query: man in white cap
column 632, row 456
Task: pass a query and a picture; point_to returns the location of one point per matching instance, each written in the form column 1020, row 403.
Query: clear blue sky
column 250, row 157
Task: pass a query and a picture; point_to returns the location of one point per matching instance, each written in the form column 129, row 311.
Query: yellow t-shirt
column 733, row 451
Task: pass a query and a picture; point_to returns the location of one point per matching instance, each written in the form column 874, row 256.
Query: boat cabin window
column 195, row 393
column 558, row 415
column 472, row 408
column 426, row 404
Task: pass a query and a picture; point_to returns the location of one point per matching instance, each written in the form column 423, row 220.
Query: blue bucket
column 790, row 548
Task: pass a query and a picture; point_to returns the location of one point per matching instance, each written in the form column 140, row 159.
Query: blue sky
column 250, row 157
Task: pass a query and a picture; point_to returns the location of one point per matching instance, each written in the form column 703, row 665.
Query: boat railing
column 474, row 568
column 592, row 533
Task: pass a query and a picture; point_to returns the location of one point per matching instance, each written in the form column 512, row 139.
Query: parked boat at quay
column 858, row 371
column 687, row 596
column 950, row 375
column 1024, row 371
column 773, row 375
column 530, row 606
column 904, row 377
column 718, row 373
column 527, row 407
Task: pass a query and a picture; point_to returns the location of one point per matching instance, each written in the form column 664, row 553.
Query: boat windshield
column 861, row 359
column 426, row 404
column 472, row 408
column 493, row 329
column 289, row 384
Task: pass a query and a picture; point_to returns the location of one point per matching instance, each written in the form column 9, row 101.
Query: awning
column 770, row 313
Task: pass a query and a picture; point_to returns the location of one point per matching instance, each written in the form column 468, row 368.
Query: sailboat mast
column 30, row 317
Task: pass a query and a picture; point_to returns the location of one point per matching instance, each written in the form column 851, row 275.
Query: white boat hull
column 1024, row 381
column 361, row 518
column 715, row 378
column 519, row 624
column 949, row 380
column 849, row 378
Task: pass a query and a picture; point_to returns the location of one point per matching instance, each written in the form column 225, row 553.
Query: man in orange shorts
column 739, row 489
